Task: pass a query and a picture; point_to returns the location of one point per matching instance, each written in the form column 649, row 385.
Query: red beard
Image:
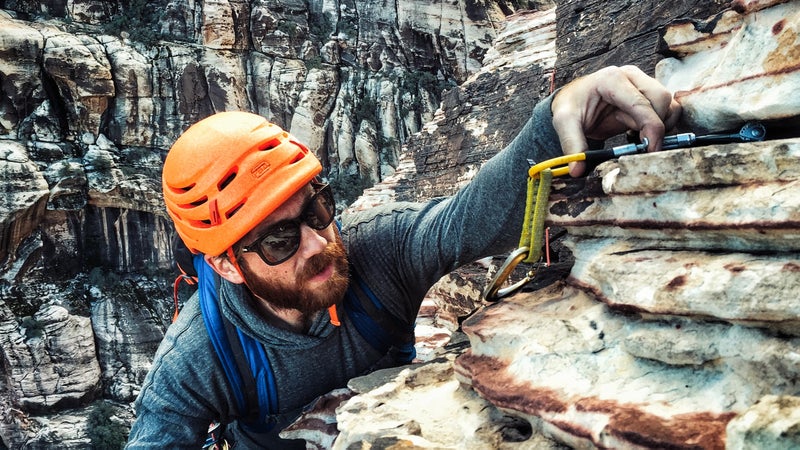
column 298, row 296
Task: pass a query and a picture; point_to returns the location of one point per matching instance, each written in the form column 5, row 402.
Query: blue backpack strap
column 265, row 386
column 383, row 331
column 378, row 327
column 238, row 353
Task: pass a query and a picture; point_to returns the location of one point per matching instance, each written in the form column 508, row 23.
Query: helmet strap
column 232, row 257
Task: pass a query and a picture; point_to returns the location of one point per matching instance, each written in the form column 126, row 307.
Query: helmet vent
column 195, row 203
column 234, row 210
column 200, row 223
column 270, row 144
column 227, row 180
column 181, row 190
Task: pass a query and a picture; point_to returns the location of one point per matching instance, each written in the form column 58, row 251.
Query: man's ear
column 225, row 268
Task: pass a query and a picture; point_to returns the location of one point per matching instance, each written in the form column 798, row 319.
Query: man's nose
column 311, row 242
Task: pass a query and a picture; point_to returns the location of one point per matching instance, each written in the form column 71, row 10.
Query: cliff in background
column 95, row 93
column 90, row 104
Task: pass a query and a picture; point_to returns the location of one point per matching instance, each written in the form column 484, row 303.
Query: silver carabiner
column 493, row 292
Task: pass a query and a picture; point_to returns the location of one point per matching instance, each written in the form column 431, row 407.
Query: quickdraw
column 530, row 242
column 539, row 181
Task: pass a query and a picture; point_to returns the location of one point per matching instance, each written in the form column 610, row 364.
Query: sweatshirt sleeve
column 178, row 398
column 415, row 244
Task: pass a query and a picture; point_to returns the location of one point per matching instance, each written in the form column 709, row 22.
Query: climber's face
column 295, row 258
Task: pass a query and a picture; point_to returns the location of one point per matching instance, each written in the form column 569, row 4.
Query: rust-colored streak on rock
column 676, row 283
column 594, row 404
column 572, row 428
column 723, row 36
column 735, row 268
column 490, row 379
column 772, row 70
column 688, row 431
column 427, row 310
column 791, row 267
column 598, row 295
column 749, row 6
column 684, row 431
column 590, row 289
column 778, row 27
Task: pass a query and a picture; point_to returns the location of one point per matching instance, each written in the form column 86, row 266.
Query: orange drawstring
column 547, row 245
column 235, row 263
column 191, row 281
column 334, row 315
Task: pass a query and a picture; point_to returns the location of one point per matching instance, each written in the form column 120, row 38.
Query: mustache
column 333, row 253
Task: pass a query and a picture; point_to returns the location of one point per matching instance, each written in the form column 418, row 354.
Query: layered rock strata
column 676, row 327
column 679, row 314
column 739, row 65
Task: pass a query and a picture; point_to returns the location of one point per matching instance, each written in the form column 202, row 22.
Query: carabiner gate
column 493, row 292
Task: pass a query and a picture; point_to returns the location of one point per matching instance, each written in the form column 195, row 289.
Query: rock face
column 676, row 327
column 480, row 116
column 89, row 107
column 127, row 337
column 23, row 200
column 43, row 345
column 70, row 344
column 50, row 365
column 728, row 61
column 679, row 313
column 596, row 33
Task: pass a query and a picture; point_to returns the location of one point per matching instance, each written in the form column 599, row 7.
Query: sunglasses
column 281, row 241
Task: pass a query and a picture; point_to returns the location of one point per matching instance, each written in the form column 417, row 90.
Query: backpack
column 243, row 358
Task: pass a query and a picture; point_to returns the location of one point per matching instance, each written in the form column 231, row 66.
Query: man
column 244, row 194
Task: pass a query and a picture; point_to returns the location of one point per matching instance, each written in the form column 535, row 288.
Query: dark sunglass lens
column 320, row 211
column 280, row 243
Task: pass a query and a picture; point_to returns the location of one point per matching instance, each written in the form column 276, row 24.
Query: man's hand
column 608, row 102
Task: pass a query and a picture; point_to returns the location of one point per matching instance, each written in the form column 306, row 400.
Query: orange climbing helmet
column 227, row 173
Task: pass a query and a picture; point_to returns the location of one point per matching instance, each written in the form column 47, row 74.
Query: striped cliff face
column 740, row 65
column 676, row 326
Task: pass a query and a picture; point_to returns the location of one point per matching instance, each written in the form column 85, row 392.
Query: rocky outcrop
column 479, row 117
column 22, row 201
column 67, row 345
column 727, row 62
column 676, row 327
column 679, row 314
column 127, row 336
column 50, row 357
